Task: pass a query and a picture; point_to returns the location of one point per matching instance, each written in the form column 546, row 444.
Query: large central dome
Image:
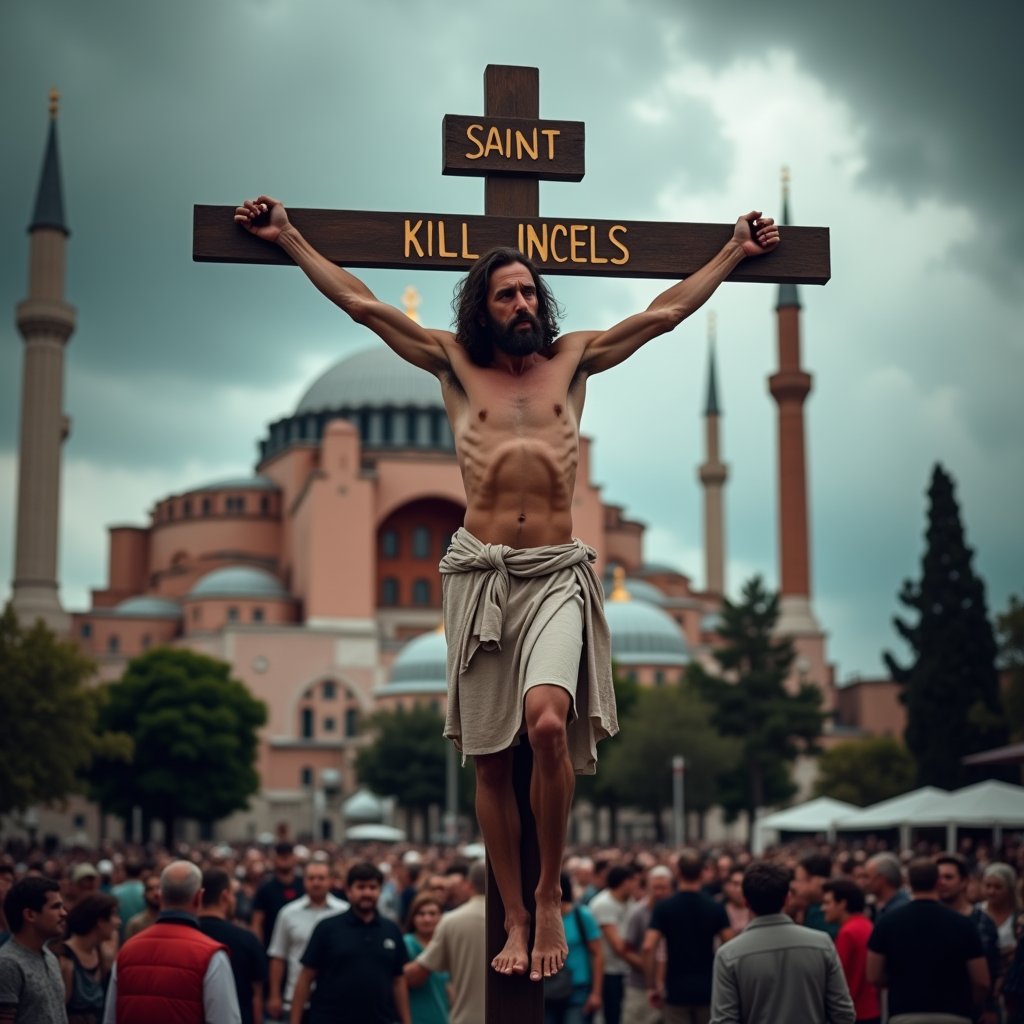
column 372, row 378
column 391, row 403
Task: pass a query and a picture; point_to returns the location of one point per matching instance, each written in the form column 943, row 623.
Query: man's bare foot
column 549, row 947
column 513, row 957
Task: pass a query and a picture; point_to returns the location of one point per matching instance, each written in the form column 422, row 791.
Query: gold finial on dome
column 54, row 103
column 785, row 182
column 440, row 628
column 619, row 591
column 411, row 301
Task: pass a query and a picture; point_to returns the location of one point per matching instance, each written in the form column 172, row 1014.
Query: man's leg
column 498, row 815
column 551, row 788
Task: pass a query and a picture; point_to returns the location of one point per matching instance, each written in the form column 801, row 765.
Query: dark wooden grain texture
column 465, row 148
column 657, row 249
column 513, row 92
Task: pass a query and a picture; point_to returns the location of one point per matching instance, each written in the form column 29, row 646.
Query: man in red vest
column 172, row 972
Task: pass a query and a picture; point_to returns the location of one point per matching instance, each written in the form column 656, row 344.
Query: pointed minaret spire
column 712, row 475
column 46, row 322
column 788, row 296
column 789, row 386
column 711, row 406
column 49, row 208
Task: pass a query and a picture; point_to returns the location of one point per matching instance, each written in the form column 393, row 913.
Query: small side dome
column 639, row 590
column 421, row 666
column 363, row 806
column 644, row 635
column 239, row 581
column 239, row 483
column 148, row 608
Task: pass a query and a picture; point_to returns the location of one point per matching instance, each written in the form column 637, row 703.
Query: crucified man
column 528, row 646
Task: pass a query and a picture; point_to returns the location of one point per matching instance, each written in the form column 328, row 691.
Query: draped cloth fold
column 498, row 601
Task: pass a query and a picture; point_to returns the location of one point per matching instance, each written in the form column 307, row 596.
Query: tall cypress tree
column 951, row 688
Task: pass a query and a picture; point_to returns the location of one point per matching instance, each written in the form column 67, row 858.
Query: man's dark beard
column 514, row 342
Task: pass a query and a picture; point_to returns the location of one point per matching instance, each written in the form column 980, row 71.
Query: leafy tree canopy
column 664, row 723
column 196, row 739
column 408, row 757
column 49, row 716
column 864, row 771
column 1010, row 634
column 750, row 701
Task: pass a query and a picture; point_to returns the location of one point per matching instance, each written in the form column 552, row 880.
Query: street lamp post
column 678, row 798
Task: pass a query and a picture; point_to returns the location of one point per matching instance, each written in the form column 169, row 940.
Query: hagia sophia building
column 315, row 575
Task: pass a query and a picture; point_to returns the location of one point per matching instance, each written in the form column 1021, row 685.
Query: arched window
column 421, row 592
column 389, row 592
column 352, row 722
column 306, row 777
column 307, row 723
column 420, row 542
column 389, row 544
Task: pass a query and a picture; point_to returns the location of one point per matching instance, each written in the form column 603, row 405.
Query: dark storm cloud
column 937, row 87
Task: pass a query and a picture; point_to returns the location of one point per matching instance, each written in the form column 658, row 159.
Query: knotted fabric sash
column 497, row 601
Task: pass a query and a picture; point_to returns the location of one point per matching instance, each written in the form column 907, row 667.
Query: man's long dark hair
column 469, row 304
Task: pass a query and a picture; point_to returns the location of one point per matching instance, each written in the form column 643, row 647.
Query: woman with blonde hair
column 999, row 885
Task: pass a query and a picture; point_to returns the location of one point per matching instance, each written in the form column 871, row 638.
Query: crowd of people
column 250, row 933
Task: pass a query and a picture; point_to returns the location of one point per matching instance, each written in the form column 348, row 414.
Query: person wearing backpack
column 574, row 993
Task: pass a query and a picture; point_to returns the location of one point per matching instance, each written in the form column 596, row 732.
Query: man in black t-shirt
column 357, row 961
column 282, row 887
column 248, row 961
column 929, row 957
column 689, row 921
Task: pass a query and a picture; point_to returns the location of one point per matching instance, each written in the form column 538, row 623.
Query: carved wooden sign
column 552, row 150
column 519, row 150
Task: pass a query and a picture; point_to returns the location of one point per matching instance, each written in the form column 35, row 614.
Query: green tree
column 1010, row 635
column 951, row 687
column 49, row 715
column 864, row 771
column 662, row 724
column 407, row 760
column 196, row 739
column 750, row 701
column 602, row 789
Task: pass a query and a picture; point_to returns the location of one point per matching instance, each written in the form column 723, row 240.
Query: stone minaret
column 46, row 322
column 790, row 386
column 713, row 474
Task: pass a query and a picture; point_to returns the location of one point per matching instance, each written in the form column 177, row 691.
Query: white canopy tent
column 814, row 816
column 896, row 812
column 991, row 804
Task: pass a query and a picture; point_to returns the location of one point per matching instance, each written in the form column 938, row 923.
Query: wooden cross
column 512, row 149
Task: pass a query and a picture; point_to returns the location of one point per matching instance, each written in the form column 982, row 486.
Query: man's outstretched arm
column 754, row 235
column 267, row 218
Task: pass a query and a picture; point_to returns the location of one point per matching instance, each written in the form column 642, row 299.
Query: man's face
column 832, row 910
column 151, row 893
column 873, row 881
column 733, row 889
column 284, row 864
column 49, row 922
column 659, row 888
column 512, row 311
column 363, row 895
column 87, row 885
column 951, row 885
column 806, row 888
column 318, row 882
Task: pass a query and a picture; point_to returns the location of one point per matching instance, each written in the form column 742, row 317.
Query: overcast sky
column 900, row 123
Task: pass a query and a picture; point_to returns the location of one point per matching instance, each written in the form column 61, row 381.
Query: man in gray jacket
column 777, row 970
